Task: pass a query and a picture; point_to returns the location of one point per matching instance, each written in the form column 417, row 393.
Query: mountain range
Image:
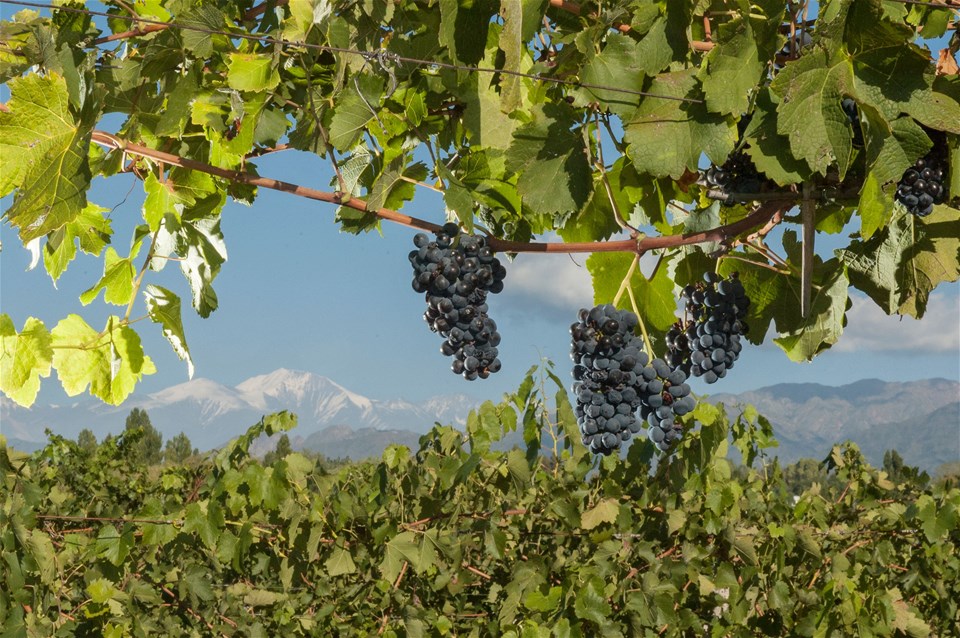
column 211, row 414
column 920, row 419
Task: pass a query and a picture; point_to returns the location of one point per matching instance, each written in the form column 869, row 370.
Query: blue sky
column 299, row 294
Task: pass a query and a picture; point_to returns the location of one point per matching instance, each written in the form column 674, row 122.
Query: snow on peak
column 284, row 387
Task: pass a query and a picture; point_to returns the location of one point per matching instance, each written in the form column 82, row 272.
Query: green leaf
column 110, row 363
column 393, row 187
column 550, row 160
column 536, row 601
column 44, row 151
column 400, row 548
column 252, row 72
column 810, row 91
column 198, row 240
column 340, row 563
column 889, row 154
column 655, row 299
column 822, row 328
column 617, row 65
column 176, row 111
column 606, row 511
column 901, row 265
column 196, row 521
column 770, row 150
column 199, row 40
column 463, row 29
column 163, row 307
column 101, row 590
column 278, row 422
column 591, row 603
column 117, row 280
column 91, row 228
column 304, row 16
column 666, row 137
column 113, row 545
column 25, row 357
column 913, row 93
column 738, row 61
column 44, row 555
column 354, row 110
column 513, row 43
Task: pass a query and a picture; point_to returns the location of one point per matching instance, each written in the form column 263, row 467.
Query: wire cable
column 367, row 55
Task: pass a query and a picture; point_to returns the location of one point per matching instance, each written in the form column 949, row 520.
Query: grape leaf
column 44, row 151
column 198, row 240
column 340, row 563
column 591, row 603
column 91, row 229
column 598, row 220
column 770, row 150
column 810, row 91
column 734, row 66
column 117, row 279
column 353, row 110
column 655, row 300
column 824, row 325
column 888, row 156
column 176, row 110
column 393, row 187
column 901, row 265
column 400, row 548
column 516, row 32
column 617, row 65
column 110, row 362
column 204, row 18
column 463, row 29
column 163, row 307
column 666, row 137
column 25, row 357
column 550, row 160
column 665, row 40
column 605, row 511
column 485, row 122
column 913, row 93
column 252, row 72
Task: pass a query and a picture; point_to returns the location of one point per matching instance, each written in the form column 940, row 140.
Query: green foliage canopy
column 460, row 538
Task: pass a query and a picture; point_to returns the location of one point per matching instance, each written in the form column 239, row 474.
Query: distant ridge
column 920, row 419
column 211, row 413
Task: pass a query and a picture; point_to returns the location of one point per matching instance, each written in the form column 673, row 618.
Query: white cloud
column 561, row 282
column 870, row 329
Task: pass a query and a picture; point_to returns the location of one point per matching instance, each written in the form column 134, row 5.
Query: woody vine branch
column 763, row 214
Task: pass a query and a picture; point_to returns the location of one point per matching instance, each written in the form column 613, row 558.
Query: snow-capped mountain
column 211, row 413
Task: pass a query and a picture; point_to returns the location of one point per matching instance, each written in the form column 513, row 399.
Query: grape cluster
column 708, row 344
column 608, row 361
column 615, row 378
column 664, row 396
column 738, row 174
column 922, row 184
column 456, row 272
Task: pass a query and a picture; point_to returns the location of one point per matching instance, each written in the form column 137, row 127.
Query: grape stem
column 617, row 216
column 625, row 284
column 643, row 328
column 760, row 215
